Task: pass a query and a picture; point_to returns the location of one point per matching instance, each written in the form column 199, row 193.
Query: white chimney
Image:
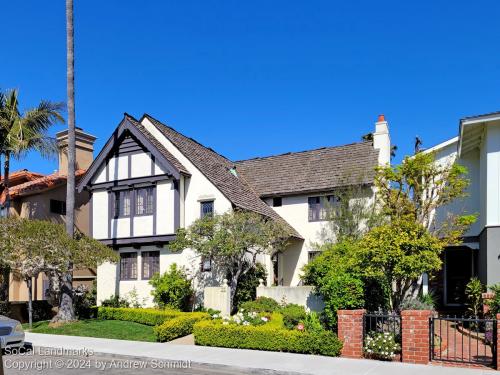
column 382, row 141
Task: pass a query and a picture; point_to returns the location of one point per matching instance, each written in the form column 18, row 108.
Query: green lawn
column 109, row 329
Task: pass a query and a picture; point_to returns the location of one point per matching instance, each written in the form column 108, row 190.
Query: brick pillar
column 498, row 342
column 415, row 331
column 350, row 332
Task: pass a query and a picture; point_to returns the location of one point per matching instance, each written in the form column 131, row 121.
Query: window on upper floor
column 312, row 254
column 144, row 201
column 277, row 202
column 57, row 207
column 150, row 264
column 206, row 208
column 128, row 266
column 122, row 203
column 319, row 206
column 206, row 264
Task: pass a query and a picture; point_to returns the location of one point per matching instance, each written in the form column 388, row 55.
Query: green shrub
column 313, row 323
column 85, row 301
column 293, row 315
column 179, row 326
column 261, row 304
column 474, row 291
column 494, row 303
column 172, row 289
column 115, row 301
column 266, row 337
column 247, row 285
column 341, row 291
column 150, row 317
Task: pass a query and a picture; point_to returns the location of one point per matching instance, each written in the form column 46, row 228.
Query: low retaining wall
column 301, row 295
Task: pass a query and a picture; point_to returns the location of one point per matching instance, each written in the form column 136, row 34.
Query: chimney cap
column 381, row 118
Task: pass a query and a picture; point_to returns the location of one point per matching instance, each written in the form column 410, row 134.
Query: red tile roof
column 39, row 184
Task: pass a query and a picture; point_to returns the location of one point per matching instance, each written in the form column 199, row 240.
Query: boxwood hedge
column 179, row 326
column 266, row 337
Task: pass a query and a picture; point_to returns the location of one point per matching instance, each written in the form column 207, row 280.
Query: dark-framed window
column 319, row 206
column 277, row 202
column 128, row 266
column 57, row 207
column 206, row 264
column 144, row 200
column 122, row 203
column 150, row 264
column 312, row 254
column 207, row 208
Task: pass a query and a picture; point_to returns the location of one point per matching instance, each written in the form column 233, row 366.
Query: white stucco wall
column 100, row 214
column 470, row 204
column 492, row 145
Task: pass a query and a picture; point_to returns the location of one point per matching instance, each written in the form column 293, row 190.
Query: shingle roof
column 218, row 170
column 168, row 155
column 311, row 171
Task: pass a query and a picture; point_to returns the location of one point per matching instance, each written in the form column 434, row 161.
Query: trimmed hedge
column 150, row 317
column 179, row 326
column 214, row 333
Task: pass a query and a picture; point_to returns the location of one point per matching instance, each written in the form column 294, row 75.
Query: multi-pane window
column 319, row 206
column 150, row 264
column 206, row 264
column 57, row 207
column 144, row 201
column 207, row 208
column 128, row 266
column 312, row 254
column 122, row 203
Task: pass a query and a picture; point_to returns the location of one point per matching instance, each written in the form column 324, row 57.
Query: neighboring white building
column 477, row 147
column 149, row 180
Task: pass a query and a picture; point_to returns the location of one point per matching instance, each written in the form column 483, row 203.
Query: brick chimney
column 382, row 141
column 84, row 150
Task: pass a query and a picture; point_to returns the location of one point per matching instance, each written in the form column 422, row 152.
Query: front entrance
column 459, row 268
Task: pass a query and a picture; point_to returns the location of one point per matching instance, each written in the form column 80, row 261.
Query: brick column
column 498, row 342
column 415, row 331
column 350, row 332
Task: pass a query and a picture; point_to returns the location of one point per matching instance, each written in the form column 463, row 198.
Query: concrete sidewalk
column 253, row 359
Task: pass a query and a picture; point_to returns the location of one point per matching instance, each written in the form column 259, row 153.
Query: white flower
column 245, row 323
column 264, row 319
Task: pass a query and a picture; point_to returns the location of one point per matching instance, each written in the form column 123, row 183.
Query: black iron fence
column 463, row 340
column 382, row 323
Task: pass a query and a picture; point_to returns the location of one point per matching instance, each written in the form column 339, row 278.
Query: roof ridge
column 302, row 151
column 151, row 118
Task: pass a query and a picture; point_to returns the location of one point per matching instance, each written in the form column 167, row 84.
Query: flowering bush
column 381, row 345
column 248, row 318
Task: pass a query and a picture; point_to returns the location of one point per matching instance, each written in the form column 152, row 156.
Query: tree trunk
column 6, row 182
column 29, row 282
column 66, row 310
column 4, row 287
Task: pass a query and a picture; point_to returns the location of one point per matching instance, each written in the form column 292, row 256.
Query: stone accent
column 350, row 332
column 415, row 331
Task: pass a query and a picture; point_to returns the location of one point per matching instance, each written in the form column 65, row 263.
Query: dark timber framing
column 124, row 130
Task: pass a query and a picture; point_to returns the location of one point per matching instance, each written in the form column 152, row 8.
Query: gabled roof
column 131, row 127
column 217, row 169
column 317, row 170
column 21, row 176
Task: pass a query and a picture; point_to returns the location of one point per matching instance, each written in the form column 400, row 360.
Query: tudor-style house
column 149, row 180
column 476, row 147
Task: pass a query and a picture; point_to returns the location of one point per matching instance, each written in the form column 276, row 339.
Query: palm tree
column 66, row 310
column 19, row 134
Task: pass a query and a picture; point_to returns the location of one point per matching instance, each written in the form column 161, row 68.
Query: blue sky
column 253, row 78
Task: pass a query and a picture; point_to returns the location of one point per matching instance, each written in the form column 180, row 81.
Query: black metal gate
column 463, row 340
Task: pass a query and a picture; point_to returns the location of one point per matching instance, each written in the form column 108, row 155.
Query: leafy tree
column 172, row 289
column 247, row 285
column 419, row 186
column 233, row 241
column 30, row 247
column 21, row 132
column 353, row 214
column 398, row 253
